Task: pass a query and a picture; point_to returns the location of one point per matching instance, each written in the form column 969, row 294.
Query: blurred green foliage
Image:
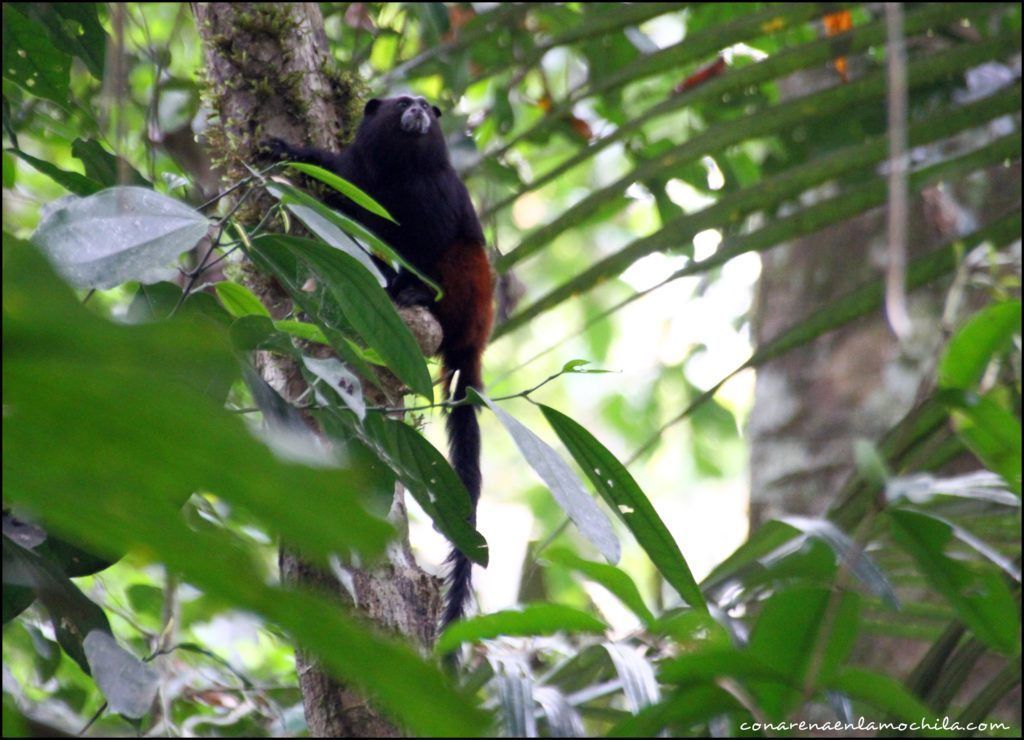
column 629, row 161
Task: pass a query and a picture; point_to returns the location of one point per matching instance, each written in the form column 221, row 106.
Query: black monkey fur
column 400, row 158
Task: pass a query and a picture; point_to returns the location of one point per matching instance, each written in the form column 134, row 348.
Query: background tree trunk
column 269, row 72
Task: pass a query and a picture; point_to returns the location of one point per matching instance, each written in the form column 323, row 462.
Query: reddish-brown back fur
column 466, row 312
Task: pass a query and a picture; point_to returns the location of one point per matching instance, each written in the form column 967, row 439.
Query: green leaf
column 885, row 695
column 990, row 431
column 564, row 484
column 240, row 301
column 612, row 578
column 302, row 330
column 75, row 28
column 324, row 221
column 104, row 167
column 143, row 400
column 144, row 431
column 331, row 226
column 291, row 273
column 705, row 666
column 71, row 181
column 254, row 332
column 969, row 352
column 532, row 620
column 977, row 592
column 364, row 303
column 73, row 614
column 117, row 235
column 799, row 632
column 31, row 61
column 623, row 495
column 350, row 191
column 430, row 479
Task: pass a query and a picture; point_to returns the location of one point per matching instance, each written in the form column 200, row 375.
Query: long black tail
column 464, row 452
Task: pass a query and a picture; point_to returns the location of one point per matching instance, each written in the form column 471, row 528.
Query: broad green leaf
column 990, row 431
column 117, row 235
column 240, row 301
column 364, row 303
column 612, row 578
column 254, row 332
column 142, row 413
column 128, row 684
column 291, row 273
column 704, row 666
column 805, row 636
column 143, row 401
column 350, row 191
column 978, row 593
column 74, row 28
column 104, row 167
column 71, row 181
column 621, row 492
column 968, row 353
column 532, row 620
column 563, row 483
column 31, row 61
column 73, row 614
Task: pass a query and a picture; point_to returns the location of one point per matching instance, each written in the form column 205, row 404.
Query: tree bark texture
column 269, row 72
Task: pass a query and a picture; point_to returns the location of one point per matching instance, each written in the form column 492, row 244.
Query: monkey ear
column 437, row 111
column 371, row 107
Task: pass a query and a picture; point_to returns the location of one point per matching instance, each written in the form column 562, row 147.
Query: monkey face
column 413, row 115
column 402, row 133
column 415, row 119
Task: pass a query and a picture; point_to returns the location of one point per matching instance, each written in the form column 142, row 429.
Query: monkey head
column 404, row 131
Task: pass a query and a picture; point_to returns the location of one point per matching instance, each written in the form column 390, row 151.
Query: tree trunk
column 269, row 72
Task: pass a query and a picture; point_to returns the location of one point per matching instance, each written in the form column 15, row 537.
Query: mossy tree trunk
column 269, row 72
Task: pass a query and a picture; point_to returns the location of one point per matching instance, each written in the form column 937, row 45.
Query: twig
column 463, row 401
column 896, row 270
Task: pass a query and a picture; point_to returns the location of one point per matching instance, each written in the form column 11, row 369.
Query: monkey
column 400, row 158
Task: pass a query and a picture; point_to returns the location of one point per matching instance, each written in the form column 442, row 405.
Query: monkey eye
column 405, row 103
